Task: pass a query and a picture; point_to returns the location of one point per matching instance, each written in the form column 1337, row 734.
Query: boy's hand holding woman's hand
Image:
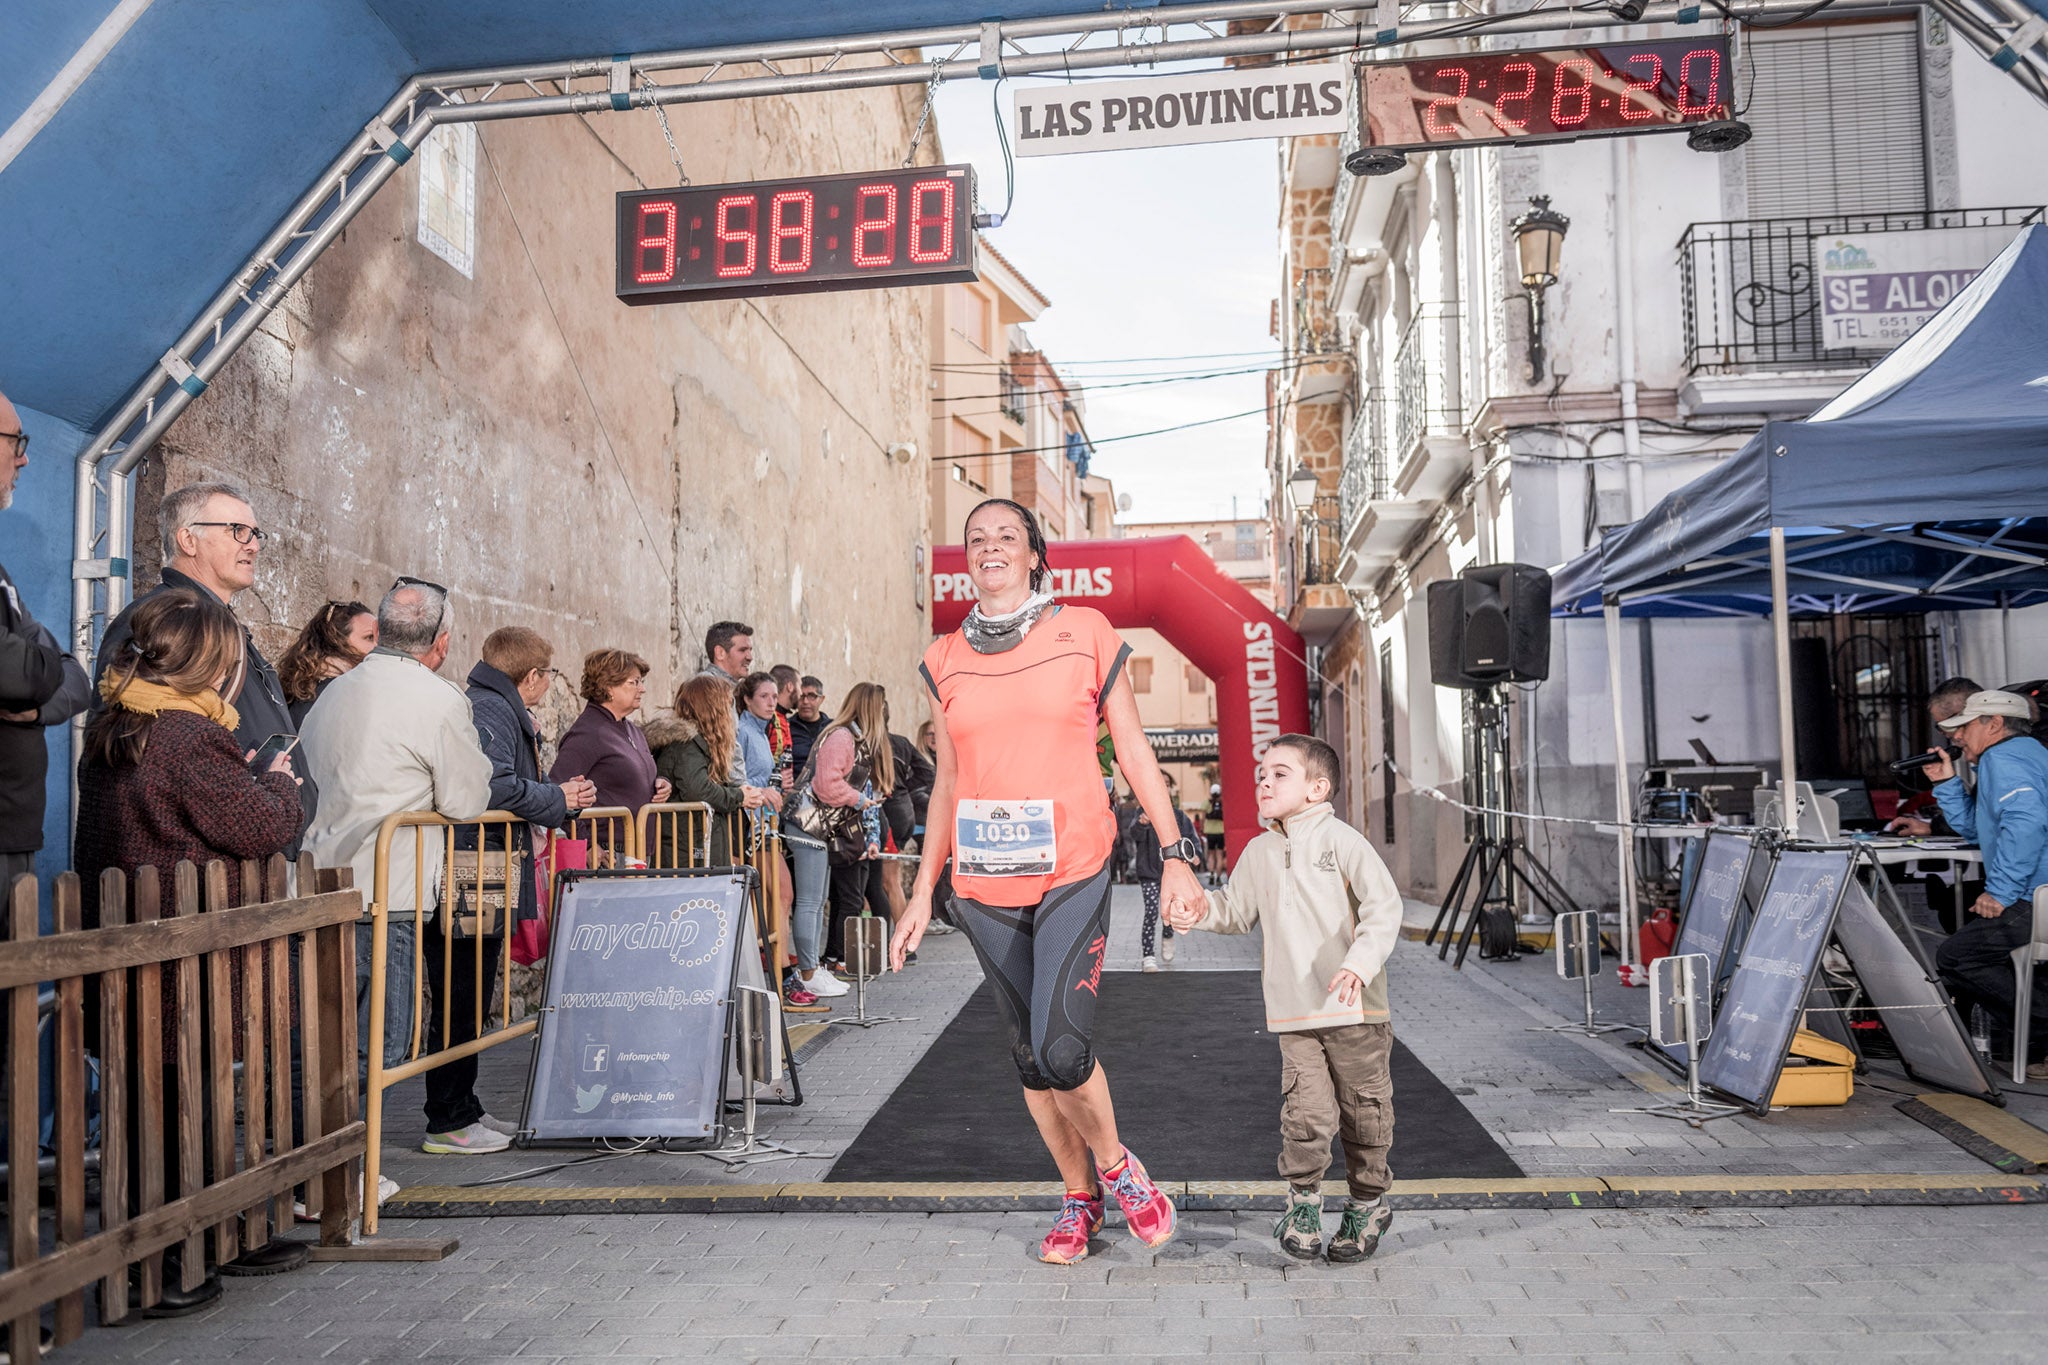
column 1180, row 896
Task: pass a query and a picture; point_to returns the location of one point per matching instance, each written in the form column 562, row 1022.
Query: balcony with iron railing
column 1010, row 395
column 1750, row 289
column 1425, row 367
column 1365, row 477
column 1375, row 522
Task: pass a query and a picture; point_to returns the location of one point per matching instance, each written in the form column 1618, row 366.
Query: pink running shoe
column 1147, row 1211
column 1080, row 1218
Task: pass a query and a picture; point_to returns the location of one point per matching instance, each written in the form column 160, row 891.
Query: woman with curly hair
column 334, row 641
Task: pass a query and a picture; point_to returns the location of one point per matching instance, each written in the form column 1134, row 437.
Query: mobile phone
column 270, row 749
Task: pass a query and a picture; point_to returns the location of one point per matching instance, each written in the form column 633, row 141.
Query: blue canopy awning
column 147, row 147
column 1923, row 487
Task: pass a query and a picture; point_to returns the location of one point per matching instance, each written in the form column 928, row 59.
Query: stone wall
column 607, row 475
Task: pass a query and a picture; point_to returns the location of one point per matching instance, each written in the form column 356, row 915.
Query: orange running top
column 1023, row 725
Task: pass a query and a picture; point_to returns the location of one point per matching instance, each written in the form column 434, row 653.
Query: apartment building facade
column 1682, row 317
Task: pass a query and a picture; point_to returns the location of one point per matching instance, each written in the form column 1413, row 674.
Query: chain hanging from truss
column 668, row 135
column 924, row 118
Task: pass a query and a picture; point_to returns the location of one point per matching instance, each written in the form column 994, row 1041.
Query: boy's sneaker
column 474, row 1140
column 1148, row 1213
column 1358, row 1236
column 1080, row 1218
column 1151, row 964
column 1166, row 947
column 496, row 1125
column 1300, row 1229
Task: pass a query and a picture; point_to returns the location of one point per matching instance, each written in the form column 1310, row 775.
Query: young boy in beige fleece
column 1331, row 916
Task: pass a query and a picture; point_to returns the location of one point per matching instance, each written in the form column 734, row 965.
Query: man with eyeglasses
column 210, row 541
column 809, row 722
column 40, row 686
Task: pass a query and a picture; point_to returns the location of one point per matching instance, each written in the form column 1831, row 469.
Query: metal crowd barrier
column 613, row 833
column 482, row 904
column 675, row 834
column 679, row 834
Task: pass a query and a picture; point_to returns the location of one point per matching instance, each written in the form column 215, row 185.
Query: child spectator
column 1331, row 916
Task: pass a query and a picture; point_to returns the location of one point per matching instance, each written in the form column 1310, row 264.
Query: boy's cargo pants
column 1337, row 1082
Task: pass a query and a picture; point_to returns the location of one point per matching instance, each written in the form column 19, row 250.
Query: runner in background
column 1212, row 833
column 1020, row 808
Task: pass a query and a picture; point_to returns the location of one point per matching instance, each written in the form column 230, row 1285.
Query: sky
column 1165, row 252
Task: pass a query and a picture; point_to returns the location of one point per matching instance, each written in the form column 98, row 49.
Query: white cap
column 1992, row 703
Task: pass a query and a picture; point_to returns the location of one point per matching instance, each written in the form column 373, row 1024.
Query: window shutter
column 1838, row 122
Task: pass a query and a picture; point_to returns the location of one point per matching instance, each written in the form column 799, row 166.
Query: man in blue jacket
column 2008, row 819
column 512, row 676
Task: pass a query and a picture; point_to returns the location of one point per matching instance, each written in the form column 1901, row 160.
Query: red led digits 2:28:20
column 868, row 224
column 924, row 218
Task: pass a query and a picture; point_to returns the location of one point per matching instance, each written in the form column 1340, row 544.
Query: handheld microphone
column 1907, row 765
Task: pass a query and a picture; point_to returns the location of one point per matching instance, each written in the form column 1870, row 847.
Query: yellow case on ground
column 1817, row 1071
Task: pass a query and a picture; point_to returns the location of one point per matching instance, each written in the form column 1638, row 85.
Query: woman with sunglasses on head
column 1019, row 807
column 334, row 641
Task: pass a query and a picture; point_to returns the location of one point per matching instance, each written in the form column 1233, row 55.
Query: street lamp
column 1303, row 487
column 1539, row 240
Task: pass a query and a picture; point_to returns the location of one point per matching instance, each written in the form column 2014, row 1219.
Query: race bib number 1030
column 1004, row 839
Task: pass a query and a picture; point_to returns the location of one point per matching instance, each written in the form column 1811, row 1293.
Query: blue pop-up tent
column 1919, row 488
column 1922, row 487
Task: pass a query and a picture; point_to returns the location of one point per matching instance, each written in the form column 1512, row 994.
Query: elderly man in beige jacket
column 387, row 736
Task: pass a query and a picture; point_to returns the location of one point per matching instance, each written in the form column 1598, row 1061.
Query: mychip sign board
column 639, row 990
column 1878, row 288
column 1767, row 995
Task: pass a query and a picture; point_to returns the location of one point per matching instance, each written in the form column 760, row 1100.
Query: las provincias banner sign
column 1168, row 111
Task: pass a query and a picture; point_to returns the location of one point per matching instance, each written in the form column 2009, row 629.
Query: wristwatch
column 1183, row 848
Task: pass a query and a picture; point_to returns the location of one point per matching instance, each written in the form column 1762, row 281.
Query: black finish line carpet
column 1197, row 1084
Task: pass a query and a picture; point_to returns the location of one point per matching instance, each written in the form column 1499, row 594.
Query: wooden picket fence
column 237, row 1160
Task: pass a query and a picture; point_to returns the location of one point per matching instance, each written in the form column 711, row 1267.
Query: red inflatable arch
column 1166, row 583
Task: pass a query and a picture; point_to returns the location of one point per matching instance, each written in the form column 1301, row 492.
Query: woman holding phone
column 163, row 782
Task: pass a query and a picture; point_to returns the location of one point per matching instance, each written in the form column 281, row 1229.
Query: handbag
column 484, row 873
column 836, row 827
column 531, row 938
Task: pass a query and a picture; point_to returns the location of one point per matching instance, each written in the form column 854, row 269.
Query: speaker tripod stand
column 1499, row 869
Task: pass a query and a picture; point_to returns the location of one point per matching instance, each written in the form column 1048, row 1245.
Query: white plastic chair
column 2024, row 959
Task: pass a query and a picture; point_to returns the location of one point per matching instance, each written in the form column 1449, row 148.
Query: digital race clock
column 1557, row 94
column 825, row 232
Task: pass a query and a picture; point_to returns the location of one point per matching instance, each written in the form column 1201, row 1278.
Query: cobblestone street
column 1805, row 1284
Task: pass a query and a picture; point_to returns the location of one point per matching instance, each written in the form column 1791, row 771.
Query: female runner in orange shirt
column 1020, row 807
